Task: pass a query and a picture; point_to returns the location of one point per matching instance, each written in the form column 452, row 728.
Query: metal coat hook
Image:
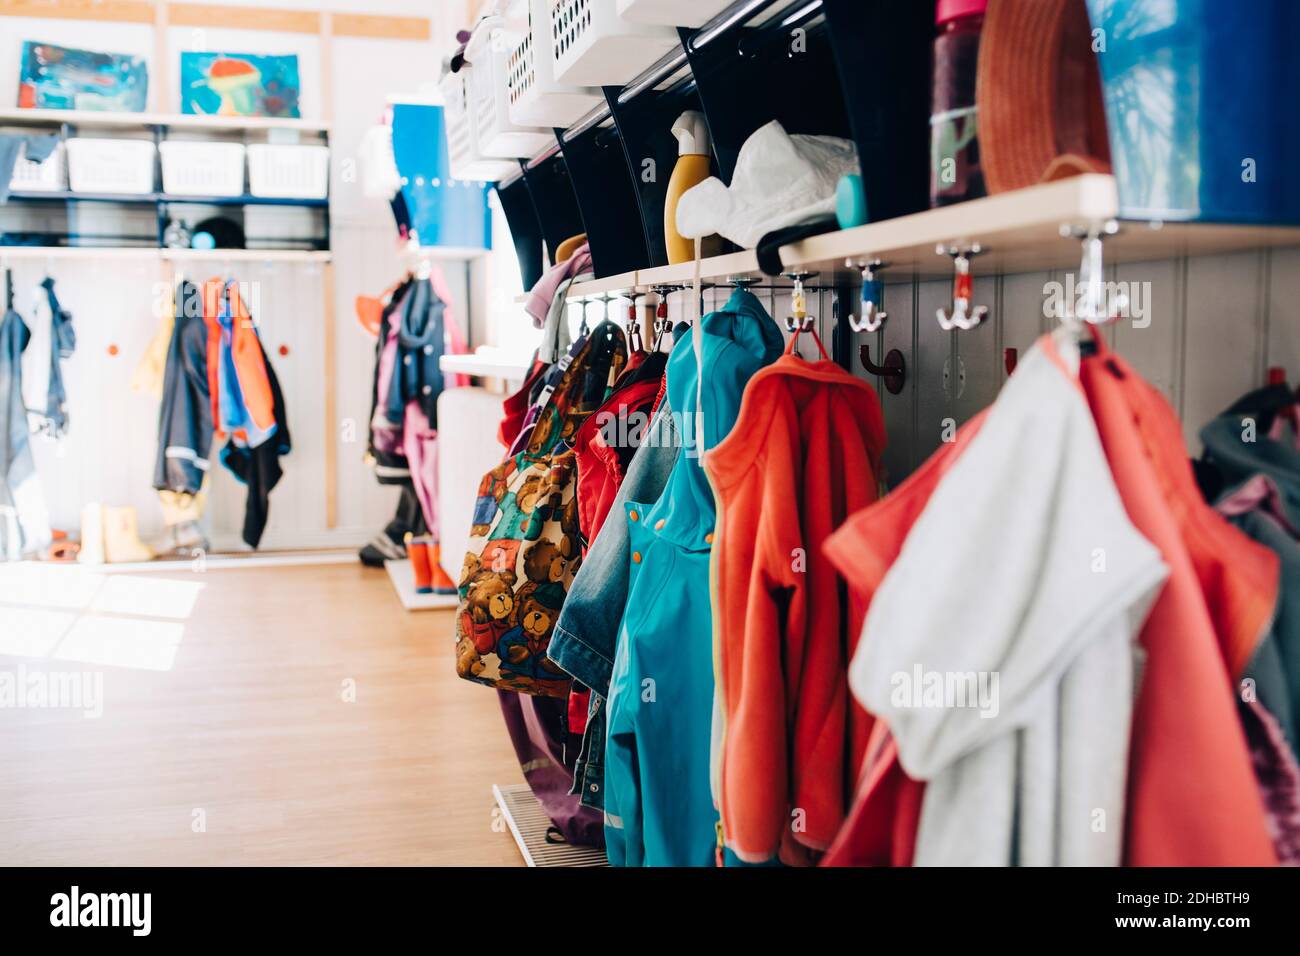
column 661, row 323
column 800, row 321
column 893, row 372
column 963, row 315
column 873, row 294
column 1091, row 303
column 634, row 342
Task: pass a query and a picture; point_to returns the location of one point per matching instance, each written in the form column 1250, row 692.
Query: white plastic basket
column 594, row 46
column 535, row 97
column 288, row 172
column 463, row 158
column 676, row 13
column 111, row 165
column 202, row 169
column 489, row 97
column 47, row 176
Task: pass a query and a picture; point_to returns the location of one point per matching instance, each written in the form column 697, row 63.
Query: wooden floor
column 230, row 712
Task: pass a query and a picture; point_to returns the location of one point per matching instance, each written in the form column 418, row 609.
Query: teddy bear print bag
column 524, row 547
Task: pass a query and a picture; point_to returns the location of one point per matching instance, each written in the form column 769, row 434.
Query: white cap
column 692, row 134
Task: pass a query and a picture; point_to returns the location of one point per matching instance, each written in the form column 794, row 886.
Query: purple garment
column 420, row 445
column 1259, row 492
column 539, row 300
column 547, row 757
column 1278, row 777
column 387, row 437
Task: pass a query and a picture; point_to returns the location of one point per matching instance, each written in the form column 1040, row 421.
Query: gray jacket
column 23, row 527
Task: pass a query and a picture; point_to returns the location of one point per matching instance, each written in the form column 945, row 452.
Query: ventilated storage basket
column 677, row 13
column 111, row 165
column 47, row 176
column 489, row 97
column 463, row 157
column 535, row 97
column 593, row 46
column 202, row 169
column 278, row 171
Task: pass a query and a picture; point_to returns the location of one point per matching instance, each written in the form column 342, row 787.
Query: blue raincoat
column 658, row 805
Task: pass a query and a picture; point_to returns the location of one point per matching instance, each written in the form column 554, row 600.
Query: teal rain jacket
column 658, row 805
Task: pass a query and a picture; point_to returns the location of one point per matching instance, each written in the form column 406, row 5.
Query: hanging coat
column 185, row 413
column 259, row 468
column 384, row 437
column 421, row 343
column 24, row 522
column 63, row 340
column 242, row 404
column 805, row 454
column 658, row 806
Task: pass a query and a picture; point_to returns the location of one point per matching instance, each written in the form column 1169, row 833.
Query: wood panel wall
column 1217, row 324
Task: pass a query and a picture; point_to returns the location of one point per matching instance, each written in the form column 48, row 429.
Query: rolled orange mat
column 1041, row 113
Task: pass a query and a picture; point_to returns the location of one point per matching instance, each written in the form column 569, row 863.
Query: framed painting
column 239, row 84
column 55, row 77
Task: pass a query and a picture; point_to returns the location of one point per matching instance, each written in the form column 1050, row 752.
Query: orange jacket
column 1193, row 798
column 803, row 456
column 246, row 353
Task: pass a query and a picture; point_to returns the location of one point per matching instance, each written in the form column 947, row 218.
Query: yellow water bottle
column 693, row 147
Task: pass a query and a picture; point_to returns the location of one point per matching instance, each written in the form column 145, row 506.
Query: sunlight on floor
column 73, row 613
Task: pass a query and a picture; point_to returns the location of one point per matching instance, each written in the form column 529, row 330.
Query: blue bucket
column 1202, row 107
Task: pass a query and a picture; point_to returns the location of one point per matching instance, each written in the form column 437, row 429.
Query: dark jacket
column 421, row 342
column 63, row 340
column 391, row 467
column 185, row 416
column 259, row 468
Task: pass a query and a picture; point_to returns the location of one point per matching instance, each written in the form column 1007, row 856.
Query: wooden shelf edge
column 1019, row 231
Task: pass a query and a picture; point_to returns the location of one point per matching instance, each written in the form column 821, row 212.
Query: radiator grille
column 528, row 822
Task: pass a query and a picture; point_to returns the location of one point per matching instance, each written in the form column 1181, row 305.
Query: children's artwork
column 239, row 84
column 61, row 78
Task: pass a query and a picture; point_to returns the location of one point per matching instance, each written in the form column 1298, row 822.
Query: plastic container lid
column 948, row 10
column 850, row 202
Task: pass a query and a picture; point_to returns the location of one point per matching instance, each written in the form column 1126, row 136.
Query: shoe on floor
column 388, row 545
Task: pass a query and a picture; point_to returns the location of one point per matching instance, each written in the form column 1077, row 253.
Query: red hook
column 1009, row 359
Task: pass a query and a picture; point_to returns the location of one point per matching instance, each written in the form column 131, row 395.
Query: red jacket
column 880, row 828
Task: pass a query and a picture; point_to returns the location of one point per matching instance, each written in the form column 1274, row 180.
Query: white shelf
column 490, row 364
column 599, row 288
column 403, row 578
column 1020, row 232
column 170, row 255
column 9, row 253
column 102, row 120
column 245, row 255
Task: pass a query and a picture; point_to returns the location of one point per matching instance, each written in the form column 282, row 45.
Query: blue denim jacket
column 584, row 636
